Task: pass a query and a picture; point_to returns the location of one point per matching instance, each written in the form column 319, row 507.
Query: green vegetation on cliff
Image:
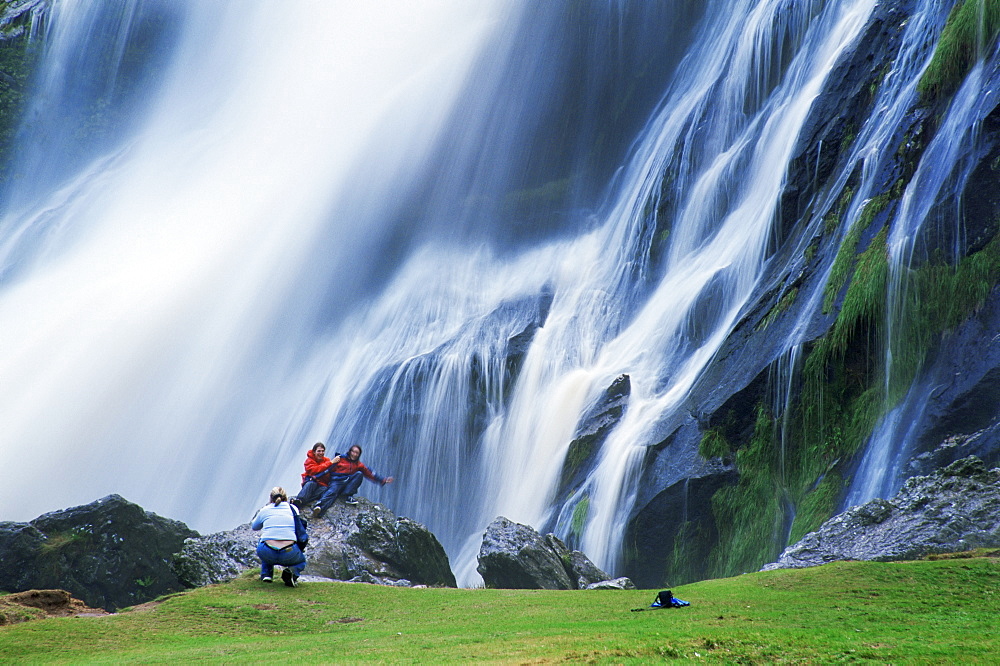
column 17, row 59
column 970, row 31
column 794, row 471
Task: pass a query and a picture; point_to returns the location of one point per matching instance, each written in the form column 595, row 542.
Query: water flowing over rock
column 362, row 543
column 954, row 509
column 515, row 556
column 110, row 553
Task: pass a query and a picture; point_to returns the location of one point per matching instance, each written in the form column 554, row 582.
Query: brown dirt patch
column 38, row 604
column 346, row 620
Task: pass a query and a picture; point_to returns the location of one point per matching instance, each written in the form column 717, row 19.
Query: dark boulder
column 109, row 553
column 954, row 509
column 515, row 556
column 361, row 543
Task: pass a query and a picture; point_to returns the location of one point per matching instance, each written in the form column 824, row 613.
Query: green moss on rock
column 970, row 32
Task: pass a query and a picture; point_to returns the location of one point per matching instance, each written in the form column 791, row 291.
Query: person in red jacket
column 315, row 480
column 345, row 479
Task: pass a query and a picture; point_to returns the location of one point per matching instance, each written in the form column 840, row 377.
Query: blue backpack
column 666, row 599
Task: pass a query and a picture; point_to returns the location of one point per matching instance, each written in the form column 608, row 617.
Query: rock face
column 954, row 509
column 515, row 556
column 109, row 553
column 361, row 543
column 216, row 558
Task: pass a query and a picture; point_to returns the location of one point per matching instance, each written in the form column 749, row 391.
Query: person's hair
column 318, row 444
column 278, row 495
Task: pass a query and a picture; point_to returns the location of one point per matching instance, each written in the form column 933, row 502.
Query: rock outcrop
column 954, row 509
column 361, row 543
column 515, row 556
column 110, row 553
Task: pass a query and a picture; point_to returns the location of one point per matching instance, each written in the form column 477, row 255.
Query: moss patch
column 18, row 57
column 749, row 515
column 970, row 31
column 714, row 445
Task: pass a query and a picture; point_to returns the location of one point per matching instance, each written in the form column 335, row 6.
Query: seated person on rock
column 345, row 479
column 315, row 480
column 277, row 545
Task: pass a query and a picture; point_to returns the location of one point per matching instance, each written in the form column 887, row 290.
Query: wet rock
column 515, row 556
column 595, row 426
column 956, row 508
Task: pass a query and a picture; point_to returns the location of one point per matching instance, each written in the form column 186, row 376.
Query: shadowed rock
column 110, row 553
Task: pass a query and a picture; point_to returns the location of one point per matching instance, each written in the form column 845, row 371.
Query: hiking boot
column 317, row 512
column 290, row 579
column 296, row 502
column 265, row 579
column 350, row 500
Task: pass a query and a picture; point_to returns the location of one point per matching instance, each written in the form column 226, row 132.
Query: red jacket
column 315, row 466
column 345, row 466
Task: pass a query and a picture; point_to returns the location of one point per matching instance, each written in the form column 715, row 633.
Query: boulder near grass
column 364, row 542
column 110, row 553
column 516, row 556
column 956, row 508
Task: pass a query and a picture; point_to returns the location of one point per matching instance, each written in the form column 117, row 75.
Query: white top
column 276, row 521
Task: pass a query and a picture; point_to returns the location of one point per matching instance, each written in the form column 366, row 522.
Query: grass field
column 924, row 612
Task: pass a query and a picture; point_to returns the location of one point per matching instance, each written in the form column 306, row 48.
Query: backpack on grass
column 665, row 599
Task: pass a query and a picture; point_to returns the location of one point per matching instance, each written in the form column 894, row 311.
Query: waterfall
column 159, row 301
column 945, row 167
column 407, row 227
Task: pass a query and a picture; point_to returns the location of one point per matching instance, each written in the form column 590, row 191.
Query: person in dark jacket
column 345, row 479
column 316, row 478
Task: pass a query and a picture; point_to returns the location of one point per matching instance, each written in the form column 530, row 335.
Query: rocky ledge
column 954, row 509
column 361, row 543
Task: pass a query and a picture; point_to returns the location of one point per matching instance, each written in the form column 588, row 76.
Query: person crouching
column 276, row 523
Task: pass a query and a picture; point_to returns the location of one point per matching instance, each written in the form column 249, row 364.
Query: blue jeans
column 290, row 558
column 310, row 492
column 340, row 484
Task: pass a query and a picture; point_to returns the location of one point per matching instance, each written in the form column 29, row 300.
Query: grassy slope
column 915, row 612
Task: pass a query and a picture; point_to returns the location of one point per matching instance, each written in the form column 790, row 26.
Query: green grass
column 910, row 612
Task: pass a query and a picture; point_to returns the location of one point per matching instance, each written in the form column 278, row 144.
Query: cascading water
column 946, row 167
column 403, row 227
column 157, row 303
